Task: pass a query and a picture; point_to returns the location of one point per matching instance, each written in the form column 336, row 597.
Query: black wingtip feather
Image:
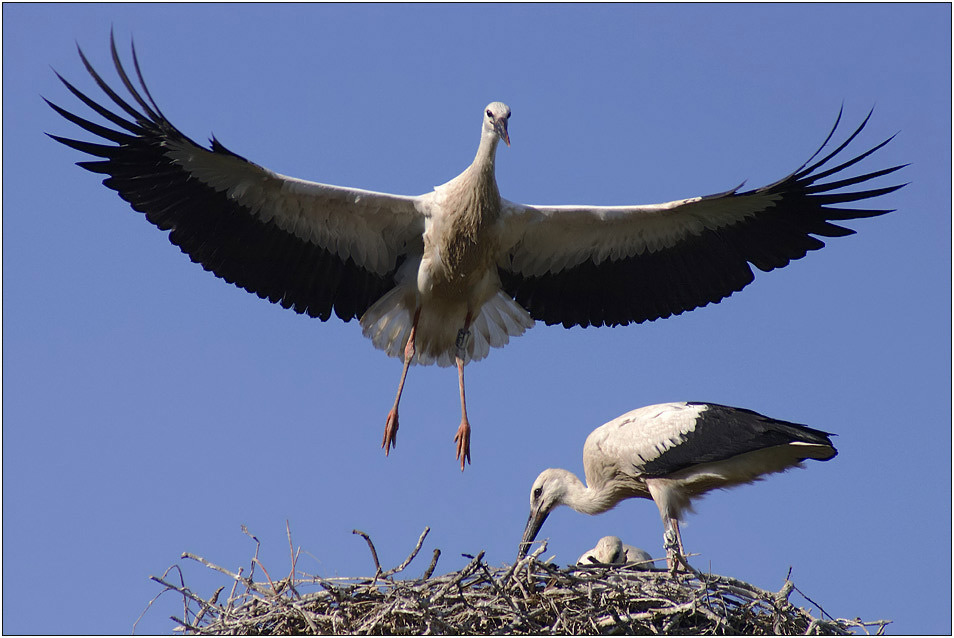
column 802, row 209
column 212, row 229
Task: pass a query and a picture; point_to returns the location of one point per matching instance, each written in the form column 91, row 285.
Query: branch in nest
column 529, row 597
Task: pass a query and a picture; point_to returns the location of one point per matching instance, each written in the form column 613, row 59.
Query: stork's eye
column 538, row 491
column 490, row 114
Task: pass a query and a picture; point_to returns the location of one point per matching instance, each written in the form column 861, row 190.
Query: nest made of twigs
column 529, row 597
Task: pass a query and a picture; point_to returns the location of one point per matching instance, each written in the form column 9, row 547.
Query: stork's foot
column 674, row 557
column 390, row 432
column 679, row 564
column 462, row 438
column 672, row 563
column 676, row 562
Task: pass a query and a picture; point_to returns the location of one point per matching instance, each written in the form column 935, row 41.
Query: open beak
column 534, row 523
column 501, row 127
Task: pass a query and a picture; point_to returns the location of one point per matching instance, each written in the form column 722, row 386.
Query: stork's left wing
column 612, row 265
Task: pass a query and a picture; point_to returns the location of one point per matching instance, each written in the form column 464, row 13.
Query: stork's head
column 496, row 116
column 548, row 491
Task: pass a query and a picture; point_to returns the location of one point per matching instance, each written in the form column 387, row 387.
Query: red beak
column 501, row 127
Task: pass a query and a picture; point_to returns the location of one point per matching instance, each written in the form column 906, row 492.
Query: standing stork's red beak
column 501, row 127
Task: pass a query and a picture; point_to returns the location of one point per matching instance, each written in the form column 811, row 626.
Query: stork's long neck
column 483, row 163
column 586, row 500
column 473, row 196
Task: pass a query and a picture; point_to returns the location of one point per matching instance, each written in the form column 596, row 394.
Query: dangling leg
column 463, row 432
column 391, row 425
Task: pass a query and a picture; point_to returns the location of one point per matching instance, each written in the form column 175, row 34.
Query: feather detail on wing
column 612, row 265
column 309, row 246
column 707, row 444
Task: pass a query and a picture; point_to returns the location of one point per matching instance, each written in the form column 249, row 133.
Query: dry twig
column 529, row 597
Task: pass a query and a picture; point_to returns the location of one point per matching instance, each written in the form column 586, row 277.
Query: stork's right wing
column 308, row 246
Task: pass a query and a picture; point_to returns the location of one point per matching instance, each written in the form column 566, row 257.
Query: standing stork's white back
column 442, row 277
column 672, row 453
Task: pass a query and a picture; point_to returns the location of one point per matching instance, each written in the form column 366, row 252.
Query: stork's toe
column 462, row 438
column 390, row 432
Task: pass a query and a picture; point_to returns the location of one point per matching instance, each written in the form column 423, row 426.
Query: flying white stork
column 672, row 453
column 443, row 277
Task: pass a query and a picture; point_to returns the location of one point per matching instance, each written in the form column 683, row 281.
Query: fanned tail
column 388, row 325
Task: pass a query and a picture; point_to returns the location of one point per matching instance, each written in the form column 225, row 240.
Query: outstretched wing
column 612, row 265
column 308, row 246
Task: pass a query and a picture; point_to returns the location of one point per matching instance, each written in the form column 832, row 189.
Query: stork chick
column 611, row 550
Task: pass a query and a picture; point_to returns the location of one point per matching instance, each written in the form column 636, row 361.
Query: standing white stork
column 443, row 277
column 673, row 453
column 611, row 550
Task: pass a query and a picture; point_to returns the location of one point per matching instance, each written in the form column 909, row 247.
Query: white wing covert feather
column 614, row 265
column 371, row 228
column 550, row 239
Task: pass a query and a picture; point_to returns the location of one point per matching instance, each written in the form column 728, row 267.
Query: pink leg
column 675, row 524
column 674, row 552
column 391, row 425
column 462, row 438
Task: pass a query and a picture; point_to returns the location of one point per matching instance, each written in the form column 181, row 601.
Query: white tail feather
column 388, row 324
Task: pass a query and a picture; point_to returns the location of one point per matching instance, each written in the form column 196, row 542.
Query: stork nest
column 529, row 597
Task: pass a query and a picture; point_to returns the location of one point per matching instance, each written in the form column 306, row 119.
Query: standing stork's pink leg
column 674, row 551
column 462, row 438
column 391, row 425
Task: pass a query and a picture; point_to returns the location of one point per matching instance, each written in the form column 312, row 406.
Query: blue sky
column 151, row 409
